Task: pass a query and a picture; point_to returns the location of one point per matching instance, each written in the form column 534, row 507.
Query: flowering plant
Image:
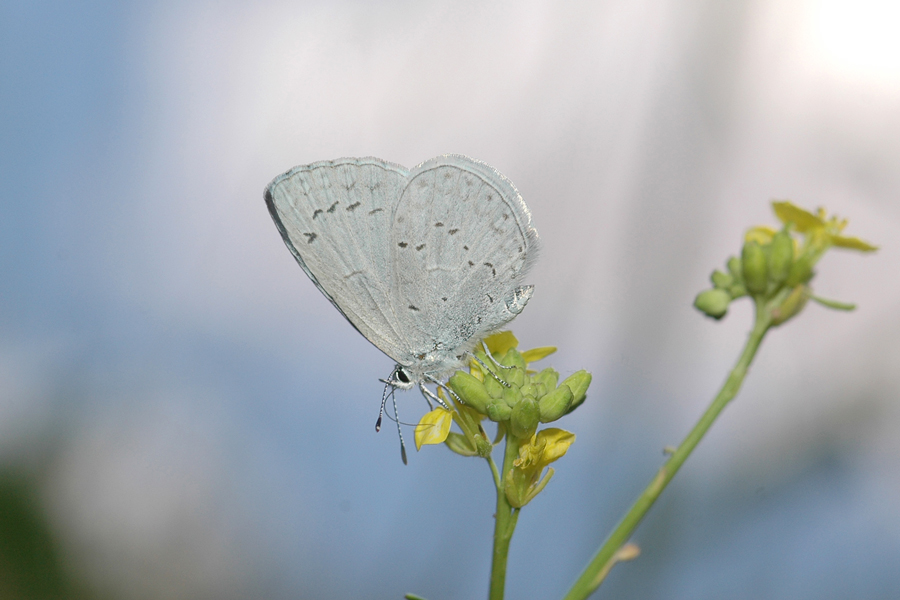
column 775, row 269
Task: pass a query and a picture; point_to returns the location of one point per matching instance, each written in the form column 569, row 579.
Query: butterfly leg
column 429, row 395
column 490, row 371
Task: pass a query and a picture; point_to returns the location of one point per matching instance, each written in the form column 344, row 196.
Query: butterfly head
column 401, row 377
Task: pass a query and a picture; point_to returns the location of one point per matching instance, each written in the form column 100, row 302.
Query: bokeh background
column 183, row 415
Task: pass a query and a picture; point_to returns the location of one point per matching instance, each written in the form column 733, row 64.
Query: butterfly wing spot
column 465, row 247
column 444, row 298
column 415, row 308
column 490, row 298
column 491, row 267
column 452, row 232
column 438, row 224
column 471, row 264
column 420, row 246
column 505, row 216
column 378, row 210
column 310, row 237
column 332, row 207
column 317, row 212
column 403, row 244
column 353, row 206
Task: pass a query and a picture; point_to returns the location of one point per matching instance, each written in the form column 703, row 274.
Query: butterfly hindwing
column 461, row 241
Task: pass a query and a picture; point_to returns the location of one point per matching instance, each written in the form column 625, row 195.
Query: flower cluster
column 500, row 387
column 777, row 267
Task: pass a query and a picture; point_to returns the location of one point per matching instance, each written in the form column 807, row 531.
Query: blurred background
column 183, row 414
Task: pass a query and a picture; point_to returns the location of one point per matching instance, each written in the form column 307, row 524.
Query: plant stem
column 606, row 557
column 505, row 521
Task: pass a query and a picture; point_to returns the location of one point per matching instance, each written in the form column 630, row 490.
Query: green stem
column 606, row 557
column 505, row 521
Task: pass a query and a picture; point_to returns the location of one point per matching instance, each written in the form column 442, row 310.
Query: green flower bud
column 524, row 419
column 735, row 268
column 471, row 390
column 737, row 291
column 529, row 389
column 512, row 358
column 512, row 396
column 555, row 404
column 754, row 266
column 801, row 272
column 781, row 256
column 792, row 305
column 483, row 446
column 498, row 411
column 514, row 377
column 540, row 390
column 494, row 388
column 578, row 382
column 460, row 444
column 721, row 280
column 713, row 302
column 548, row 377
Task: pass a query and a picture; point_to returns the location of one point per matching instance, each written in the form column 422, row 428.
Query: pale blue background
column 201, row 418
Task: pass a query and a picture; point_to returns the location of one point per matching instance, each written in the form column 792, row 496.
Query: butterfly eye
column 402, row 377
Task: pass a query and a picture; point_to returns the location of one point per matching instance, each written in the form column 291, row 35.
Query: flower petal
column 761, row 234
column 500, row 342
column 433, row 428
column 536, row 354
column 555, row 443
column 803, row 220
column 852, row 243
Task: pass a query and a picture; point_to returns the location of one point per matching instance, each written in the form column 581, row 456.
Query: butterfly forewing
column 333, row 216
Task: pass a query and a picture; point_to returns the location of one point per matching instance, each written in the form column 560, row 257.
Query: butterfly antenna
column 384, row 396
column 399, row 430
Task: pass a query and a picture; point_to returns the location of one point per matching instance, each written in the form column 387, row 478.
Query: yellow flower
column 523, row 481
column 821, row 232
